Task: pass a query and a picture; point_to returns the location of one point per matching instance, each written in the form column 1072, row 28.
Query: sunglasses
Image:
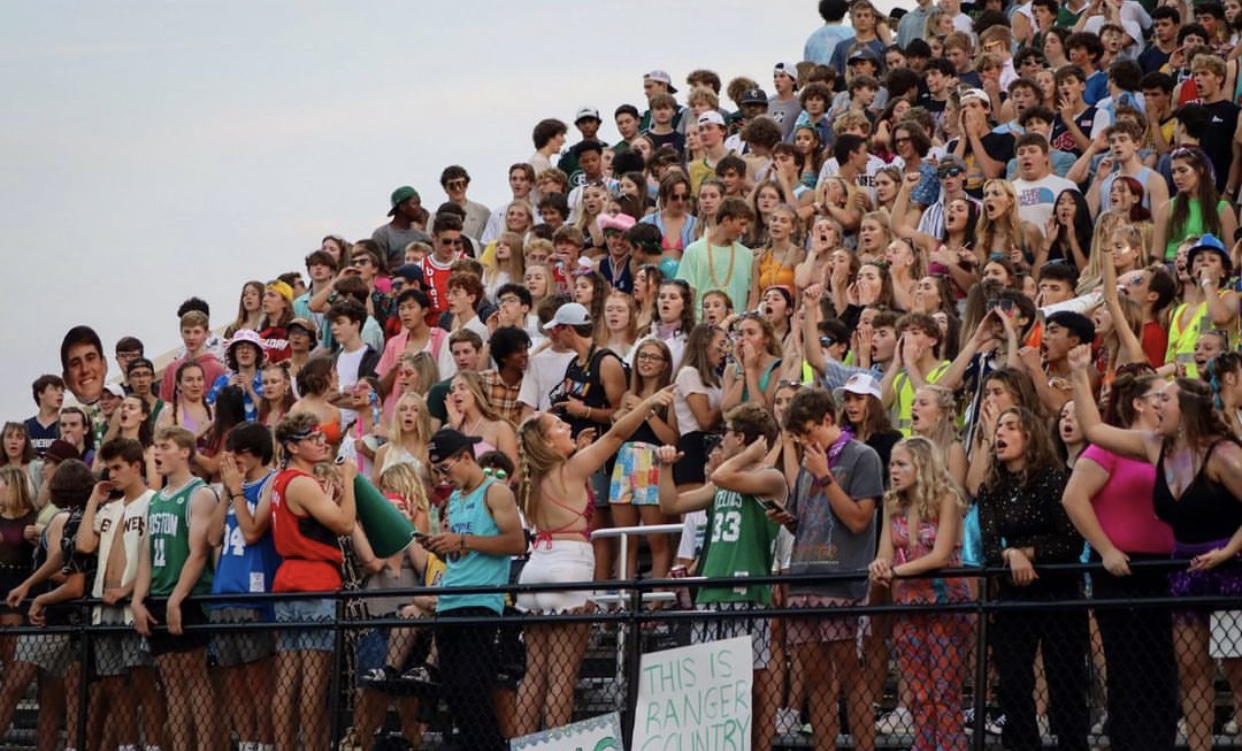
column 450, row 241
column 315, row 436
column 495, row 472
column 950, row 172
column 444, row 467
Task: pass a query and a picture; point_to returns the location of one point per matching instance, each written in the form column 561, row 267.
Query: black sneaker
column 426, row 675
column 381, row 675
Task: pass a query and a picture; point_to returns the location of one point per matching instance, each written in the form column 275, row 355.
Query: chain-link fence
column 1079, row 659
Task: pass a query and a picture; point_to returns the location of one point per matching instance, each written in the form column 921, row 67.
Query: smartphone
column 771, row 505
column 1005, row 306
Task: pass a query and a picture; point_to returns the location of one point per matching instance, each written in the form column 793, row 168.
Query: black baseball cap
column 447, row 443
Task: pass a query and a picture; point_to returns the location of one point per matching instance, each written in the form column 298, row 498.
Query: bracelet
column 824, row 481
column 588, row 414
column 462, row 547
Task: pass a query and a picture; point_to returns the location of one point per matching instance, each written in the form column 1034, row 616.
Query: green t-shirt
column 706, row 267
column 738, row 543
column 168, row 530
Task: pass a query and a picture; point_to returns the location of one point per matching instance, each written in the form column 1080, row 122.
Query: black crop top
column 1206, row 512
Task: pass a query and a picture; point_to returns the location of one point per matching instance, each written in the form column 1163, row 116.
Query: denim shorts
column 306, row 611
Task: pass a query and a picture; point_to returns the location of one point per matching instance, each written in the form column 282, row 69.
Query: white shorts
column 562, row 562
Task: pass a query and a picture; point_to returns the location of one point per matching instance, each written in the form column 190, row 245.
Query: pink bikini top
column 545, row 536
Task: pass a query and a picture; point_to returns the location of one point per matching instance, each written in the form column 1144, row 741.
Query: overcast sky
column 154, row 151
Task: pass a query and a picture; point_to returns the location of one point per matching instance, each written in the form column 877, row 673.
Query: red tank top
column 311, row 556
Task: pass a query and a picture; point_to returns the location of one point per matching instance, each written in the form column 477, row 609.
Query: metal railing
column 625, row 635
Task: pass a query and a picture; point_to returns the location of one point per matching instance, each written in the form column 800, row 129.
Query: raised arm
column 87, row 540
column 1135, row 444
column 587, row 460
column 1131, row 347
column 765, row 483
column 812, row 352
column 673, row 503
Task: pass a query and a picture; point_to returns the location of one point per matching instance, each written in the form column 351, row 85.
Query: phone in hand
column 771, row 505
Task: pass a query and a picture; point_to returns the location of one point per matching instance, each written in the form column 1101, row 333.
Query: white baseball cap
column 786, row 69
column 863, row 384
column 569, row 314
column 662, row 76
column 711, row 117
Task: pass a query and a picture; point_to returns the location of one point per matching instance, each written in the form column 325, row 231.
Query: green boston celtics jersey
column 168, row 532
column 738, row 543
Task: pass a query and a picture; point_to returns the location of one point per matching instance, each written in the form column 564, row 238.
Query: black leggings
column 468, row 665
column 1142, row 670
column 1063, row 635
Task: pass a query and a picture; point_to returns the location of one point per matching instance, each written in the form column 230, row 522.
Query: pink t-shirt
column 392, row 353
column 1124, row 505
column 212, row 369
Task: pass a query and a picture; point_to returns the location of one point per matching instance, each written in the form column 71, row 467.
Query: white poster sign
column 695, row 698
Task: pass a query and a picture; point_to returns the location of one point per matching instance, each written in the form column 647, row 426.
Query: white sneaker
column 898, row 722
column 1230, row 728
column 995, row 724
column 1182, row 735
column 787, row 721
column 1098, row 728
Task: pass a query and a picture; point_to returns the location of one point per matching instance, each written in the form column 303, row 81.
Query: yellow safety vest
column 903, row 406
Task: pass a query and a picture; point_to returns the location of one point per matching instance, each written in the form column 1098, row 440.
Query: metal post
column 334, row 682
column 84, row 652
column 633, row 660
column 980, row 699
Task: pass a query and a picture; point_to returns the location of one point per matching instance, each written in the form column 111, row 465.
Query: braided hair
column 536, row 460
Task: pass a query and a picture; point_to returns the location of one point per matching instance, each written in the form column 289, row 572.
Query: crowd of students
column 860, row 325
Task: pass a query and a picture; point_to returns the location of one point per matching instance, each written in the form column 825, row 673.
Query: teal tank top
column 470, row 516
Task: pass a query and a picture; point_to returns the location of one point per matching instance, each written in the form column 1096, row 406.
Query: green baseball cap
column 400, row 196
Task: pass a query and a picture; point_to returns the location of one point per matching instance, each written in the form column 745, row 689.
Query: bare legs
column 192, row 720
column 554, row 655
column 1196, row 671
column 301, row 701
column 828, row 667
